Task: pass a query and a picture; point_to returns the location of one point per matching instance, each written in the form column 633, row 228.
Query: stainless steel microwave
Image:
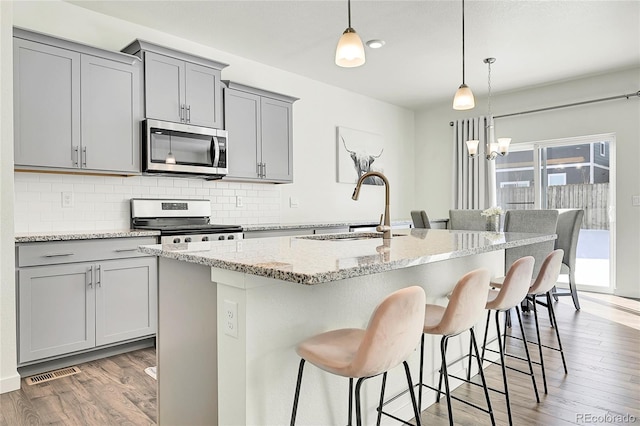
column 182, row 149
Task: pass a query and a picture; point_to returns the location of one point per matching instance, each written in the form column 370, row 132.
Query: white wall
column 101, row 201
column 320, row 109
column 9, row 379
column 622, row 117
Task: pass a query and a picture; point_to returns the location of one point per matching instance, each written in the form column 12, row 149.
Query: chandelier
column 493, row 147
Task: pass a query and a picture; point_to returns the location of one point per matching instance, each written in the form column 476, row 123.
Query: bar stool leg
column 416, row 409
column 446, row 342
column 297, row 395
column 484, row 382
column 535, row 315
column 421, row 368
column 526, row 350
column 443, row 372
column 358, row 407
column 555, row 325
column 384, row 383
column 350, row 401
column 504, row 368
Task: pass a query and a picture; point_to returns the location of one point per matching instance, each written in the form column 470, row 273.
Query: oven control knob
column 187, row 240
column 230, row 237
column 176, row 240
column 221, row 237
column 205, row 238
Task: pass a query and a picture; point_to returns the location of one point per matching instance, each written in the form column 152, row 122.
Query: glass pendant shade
column 350, row 51
column 472, row 147
column 170, row 158
column 503, row 145
column 464, row 98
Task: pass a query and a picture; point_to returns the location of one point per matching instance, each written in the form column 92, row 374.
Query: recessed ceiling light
column 375, row 44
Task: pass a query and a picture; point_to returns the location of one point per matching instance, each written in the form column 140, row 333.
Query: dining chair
column 568, row 230
column 534, row 221
column 470, row 220
column 420, row 219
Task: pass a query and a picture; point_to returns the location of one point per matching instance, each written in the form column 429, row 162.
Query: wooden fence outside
column 592, row 198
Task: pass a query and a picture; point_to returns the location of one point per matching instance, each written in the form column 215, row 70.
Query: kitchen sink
column 351, row 236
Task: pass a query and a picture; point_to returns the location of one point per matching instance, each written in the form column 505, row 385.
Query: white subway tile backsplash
column 102, row 202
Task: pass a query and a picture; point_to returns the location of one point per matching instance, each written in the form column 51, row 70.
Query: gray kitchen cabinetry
column 66, row 306
column 260, row 126
column 75, row 107
column 180, row 87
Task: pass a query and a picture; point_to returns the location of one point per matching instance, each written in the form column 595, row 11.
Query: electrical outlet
column 67, row 200
column 239, row 202
column 635, row 200
column 293, row 203
column 239, row 245
column 230, row 319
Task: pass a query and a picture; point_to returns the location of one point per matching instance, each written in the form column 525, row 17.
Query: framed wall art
column 358, row 152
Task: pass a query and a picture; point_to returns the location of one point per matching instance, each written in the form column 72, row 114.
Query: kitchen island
column 231, row 313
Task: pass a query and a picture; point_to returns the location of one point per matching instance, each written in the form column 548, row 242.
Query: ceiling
column 535, row 42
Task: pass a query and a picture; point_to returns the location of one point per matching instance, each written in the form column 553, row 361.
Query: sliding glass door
column 566, row 174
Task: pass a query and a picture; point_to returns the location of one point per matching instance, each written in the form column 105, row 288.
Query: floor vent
column 52, row 375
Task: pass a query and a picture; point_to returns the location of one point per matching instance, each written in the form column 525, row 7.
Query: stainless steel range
column 180, row 221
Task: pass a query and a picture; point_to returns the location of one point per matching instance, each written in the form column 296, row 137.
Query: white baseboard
column 9, row 384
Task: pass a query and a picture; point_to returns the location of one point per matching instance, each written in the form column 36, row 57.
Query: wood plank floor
column 601, row 342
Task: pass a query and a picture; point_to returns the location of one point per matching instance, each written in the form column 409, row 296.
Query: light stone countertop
column 317, row 225
column 314, row 259
column 33, row 237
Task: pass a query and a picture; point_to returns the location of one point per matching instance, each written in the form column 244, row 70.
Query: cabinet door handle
column 84, row 156
column 58, row 254
column 123, row 250
column 88, row 277
column 182, row 114
column 75, row 156
column 188, row 114
column 98, row 276
column 258, row 169
column 264, row 170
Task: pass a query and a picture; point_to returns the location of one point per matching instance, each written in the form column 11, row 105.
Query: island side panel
column 186, row 345
column 259, row 368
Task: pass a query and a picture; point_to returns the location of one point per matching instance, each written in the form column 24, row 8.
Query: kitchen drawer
column 57, row 252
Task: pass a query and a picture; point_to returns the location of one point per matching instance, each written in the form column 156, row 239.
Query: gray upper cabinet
column 46, row 104
column 180, row 87
column 110, row 123
column 76, row 107
column 260, row 126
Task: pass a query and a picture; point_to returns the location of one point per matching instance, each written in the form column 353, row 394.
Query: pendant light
column 170, row 158
column 464, row 97
column 350, row 51
column 493, row 149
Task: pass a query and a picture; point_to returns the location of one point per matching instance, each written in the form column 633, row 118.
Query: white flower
column 492, row 211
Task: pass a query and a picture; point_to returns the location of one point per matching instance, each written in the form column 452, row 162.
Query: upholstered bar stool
column 544, row 283
column 465, row 308
column 542, row 286
column 514, row 289
column 391, row 336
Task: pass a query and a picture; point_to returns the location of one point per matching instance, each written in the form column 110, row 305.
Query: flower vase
column 493, row 223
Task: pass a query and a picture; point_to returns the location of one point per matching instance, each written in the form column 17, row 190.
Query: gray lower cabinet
column 75, row 107
column 180, row 87
column 260, row 126
column 68, row 308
